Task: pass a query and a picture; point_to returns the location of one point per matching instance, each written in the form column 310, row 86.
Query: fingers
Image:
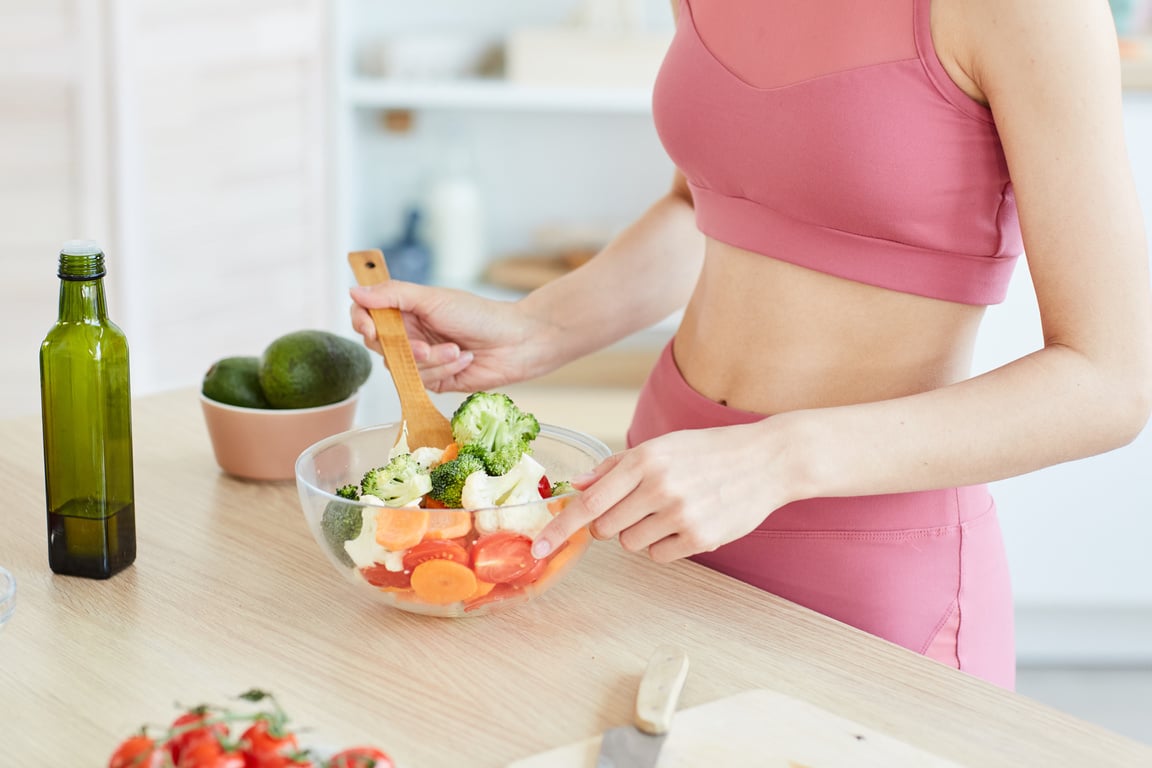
column 586, row 508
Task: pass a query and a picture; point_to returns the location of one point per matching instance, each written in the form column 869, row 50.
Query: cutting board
column 760, row 729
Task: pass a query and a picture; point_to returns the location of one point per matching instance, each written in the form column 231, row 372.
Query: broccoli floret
column 341, row 523
column 448, row 478
column 492, row 421
column 350, row 491
column 500, row 460
column 561, row 487
column 397, row 484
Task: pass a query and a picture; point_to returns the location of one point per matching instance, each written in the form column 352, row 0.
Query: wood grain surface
column 230, row 592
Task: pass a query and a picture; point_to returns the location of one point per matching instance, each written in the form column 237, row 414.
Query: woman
column 855, row 182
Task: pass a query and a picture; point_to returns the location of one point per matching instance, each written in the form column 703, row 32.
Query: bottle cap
column 80, row 248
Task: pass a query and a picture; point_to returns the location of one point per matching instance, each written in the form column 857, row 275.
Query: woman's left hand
column 673, row 496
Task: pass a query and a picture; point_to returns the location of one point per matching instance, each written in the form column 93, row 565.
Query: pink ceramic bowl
column 264, row 443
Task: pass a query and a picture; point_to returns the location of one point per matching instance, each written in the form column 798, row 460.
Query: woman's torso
column 762, row 334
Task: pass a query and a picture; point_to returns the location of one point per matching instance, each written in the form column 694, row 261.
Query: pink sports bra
column 854, row 154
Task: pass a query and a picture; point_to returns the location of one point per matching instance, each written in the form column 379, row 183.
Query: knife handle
column 660, row 689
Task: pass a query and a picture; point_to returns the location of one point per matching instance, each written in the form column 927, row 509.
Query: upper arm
column 1050, row 72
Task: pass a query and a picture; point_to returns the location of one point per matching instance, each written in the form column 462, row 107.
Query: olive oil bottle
column 86, row 407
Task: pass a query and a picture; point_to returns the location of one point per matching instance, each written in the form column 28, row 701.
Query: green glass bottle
column 86, row 406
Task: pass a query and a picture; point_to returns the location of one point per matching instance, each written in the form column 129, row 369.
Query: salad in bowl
column 447, row 530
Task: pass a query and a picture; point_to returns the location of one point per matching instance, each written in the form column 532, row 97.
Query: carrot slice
column 400, row 528
column 448, row 524
column 441, row 582
column 451, row 451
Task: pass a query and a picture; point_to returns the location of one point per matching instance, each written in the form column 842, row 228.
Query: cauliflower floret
column 364, row 550
column 401, row 445
column 527, row 519
column 516, row 486
column 504, row 501
column 427, row 457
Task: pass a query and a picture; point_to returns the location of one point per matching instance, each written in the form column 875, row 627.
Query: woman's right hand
column 461, row 342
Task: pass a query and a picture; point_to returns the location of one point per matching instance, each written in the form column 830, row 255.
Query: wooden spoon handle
column 416, row 407
column 370, row 269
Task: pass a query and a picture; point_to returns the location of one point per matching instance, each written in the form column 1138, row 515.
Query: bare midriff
column 763, row 335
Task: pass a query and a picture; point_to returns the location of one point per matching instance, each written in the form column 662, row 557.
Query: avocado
column 235, row 381
column 306, row 369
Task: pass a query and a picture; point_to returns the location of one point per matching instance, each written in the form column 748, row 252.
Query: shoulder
column 995, row 47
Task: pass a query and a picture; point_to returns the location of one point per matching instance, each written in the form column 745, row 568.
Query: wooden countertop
column 230, row 592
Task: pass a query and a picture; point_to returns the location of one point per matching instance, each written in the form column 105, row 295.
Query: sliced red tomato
column 435, row 549
column 501, row 557
column 193, row 727
column 379, row 576
column 545, row 487
column 138, row 752
column 531, row 575
column 361, row 757
column 495, row 595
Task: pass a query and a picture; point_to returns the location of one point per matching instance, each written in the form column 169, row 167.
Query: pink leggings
column 924, row 570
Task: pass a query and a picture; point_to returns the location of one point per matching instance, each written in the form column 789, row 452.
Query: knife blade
column 638, row 745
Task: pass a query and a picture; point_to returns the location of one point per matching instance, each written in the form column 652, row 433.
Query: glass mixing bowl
column 457, row 562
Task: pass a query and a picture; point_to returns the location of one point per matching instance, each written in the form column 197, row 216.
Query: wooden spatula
column 427, row 426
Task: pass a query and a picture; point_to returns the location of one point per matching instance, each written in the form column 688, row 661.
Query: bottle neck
column 82, row 288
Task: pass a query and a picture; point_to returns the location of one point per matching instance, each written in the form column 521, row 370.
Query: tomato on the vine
column 361, row 757
column 191, row 728
column 138, row 751
column 267, row 745
column 209, row 753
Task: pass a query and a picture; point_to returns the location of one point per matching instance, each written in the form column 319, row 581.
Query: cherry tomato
column 275, row 760
column 435, row 549
column 191, row 728
column 208, row 753
column 379, row 576
column 138, row 752
column 501, row 557
column 545, row 487
column 264, row 746
column 361, row 757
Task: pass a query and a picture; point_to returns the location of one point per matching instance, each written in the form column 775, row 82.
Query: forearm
column 645, row 274
column 1052, row 406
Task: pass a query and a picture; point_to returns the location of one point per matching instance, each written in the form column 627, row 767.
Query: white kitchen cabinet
column 190, row 139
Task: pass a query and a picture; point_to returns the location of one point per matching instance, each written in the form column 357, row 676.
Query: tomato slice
column 502, row 557
column 435, row 549
column 379, row 576
column 495, row 595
